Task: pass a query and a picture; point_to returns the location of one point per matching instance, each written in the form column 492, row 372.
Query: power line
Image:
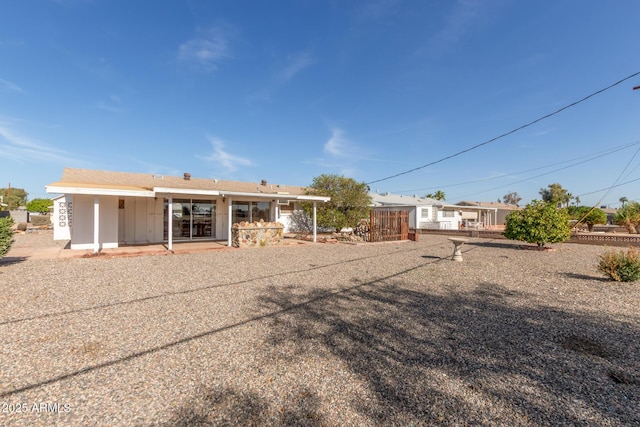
column 507, row 133
column 542, row 174
column 593, row 156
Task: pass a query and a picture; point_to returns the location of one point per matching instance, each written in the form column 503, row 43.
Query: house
column 486, row 214
column 424, row 212
column 104, row 209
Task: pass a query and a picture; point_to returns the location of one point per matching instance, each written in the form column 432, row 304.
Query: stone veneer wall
column 252, row 234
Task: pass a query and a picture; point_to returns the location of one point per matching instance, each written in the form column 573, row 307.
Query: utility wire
column 593, row 156
column 507, row 133
column 539, row 175
column 615, row 183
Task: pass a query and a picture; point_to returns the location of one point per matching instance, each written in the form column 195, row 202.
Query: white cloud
column 10, row 86
column 224, row 159
column 19, row 148
column 378, row 10
column 207, row 49
column 464, row 17
column 112, row 106
column 339, row 146
column 295, row 64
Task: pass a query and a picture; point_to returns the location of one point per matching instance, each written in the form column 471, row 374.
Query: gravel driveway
column 325, row 334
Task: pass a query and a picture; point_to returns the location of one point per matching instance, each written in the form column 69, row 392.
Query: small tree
column 438, row 195
column 6, row 235
column 628, row 216
column 587, row 215
column 349, row 202
column 40, row 205
column 14, row 197
column 512, row 198
column 555, row 193
column 538, row 223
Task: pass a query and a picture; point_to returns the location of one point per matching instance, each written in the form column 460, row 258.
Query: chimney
column 263, row 182
column 187, row 176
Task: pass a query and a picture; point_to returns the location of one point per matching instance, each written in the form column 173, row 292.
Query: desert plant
column 6, row 235
column 628, row 216
column 589, row 216
column 538, row 223
column 621, row 266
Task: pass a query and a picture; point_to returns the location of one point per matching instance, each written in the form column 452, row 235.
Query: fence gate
column 388, row 225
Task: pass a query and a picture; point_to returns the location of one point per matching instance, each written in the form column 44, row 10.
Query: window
column 448, row 214
column 424, row 213
column 251, row 211
column 191, row 219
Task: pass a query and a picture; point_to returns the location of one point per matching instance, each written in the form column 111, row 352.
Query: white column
column 315, row 227
column 229, row 218
column 170, row 223
column 96, row 224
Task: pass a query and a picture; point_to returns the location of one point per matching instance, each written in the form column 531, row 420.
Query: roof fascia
column 98, row 191
column 167, row 190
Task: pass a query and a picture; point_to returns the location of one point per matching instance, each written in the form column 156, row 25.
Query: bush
column 40, row 205
column 6, row 235
column 621, row 266
column 538, row 223
column 628, row 216
column 589, row 216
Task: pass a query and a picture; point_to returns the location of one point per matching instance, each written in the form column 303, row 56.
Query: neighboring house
column 103, row 209
column 424, row 213
column 486, row 214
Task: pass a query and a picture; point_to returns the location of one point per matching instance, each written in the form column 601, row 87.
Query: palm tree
column 623, row 200
column 438, row 195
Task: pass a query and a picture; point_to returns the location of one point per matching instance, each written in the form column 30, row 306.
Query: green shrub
column 538, row 223
column 6, row 235
column 621, row 266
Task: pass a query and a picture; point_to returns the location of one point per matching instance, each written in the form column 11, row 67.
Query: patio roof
column 99, row 182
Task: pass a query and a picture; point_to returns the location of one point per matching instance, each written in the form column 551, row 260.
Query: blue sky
column 288, row 90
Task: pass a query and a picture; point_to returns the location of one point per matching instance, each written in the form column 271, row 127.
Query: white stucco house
column 103, row 209
column 424, row 213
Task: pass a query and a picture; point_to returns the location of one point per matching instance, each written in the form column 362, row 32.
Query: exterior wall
column 82, row 230
column 140, row 220
column 19, row 215
column 62, row 217
column 222, row 218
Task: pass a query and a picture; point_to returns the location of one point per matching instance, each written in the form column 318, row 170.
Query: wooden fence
column 388, row 225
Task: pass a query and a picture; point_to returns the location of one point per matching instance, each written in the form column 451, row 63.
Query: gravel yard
column 325, row 334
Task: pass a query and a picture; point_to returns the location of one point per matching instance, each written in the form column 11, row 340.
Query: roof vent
column 263, row 182
column 187, row 176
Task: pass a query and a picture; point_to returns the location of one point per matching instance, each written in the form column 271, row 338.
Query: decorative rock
column 246, row 234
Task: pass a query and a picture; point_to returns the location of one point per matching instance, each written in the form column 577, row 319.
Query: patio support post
column 170, row 223
column 229, row 219
column 96, row 224
column 315, row 225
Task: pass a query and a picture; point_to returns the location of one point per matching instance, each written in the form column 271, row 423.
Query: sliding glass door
column 191, row 219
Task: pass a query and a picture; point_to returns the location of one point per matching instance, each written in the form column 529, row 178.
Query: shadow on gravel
column 8, row 260
column 586, row 277
column 229, row 407
column 483, row 357
column 506, row 244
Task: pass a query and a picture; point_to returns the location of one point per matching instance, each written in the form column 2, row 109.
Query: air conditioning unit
column 283, row 202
